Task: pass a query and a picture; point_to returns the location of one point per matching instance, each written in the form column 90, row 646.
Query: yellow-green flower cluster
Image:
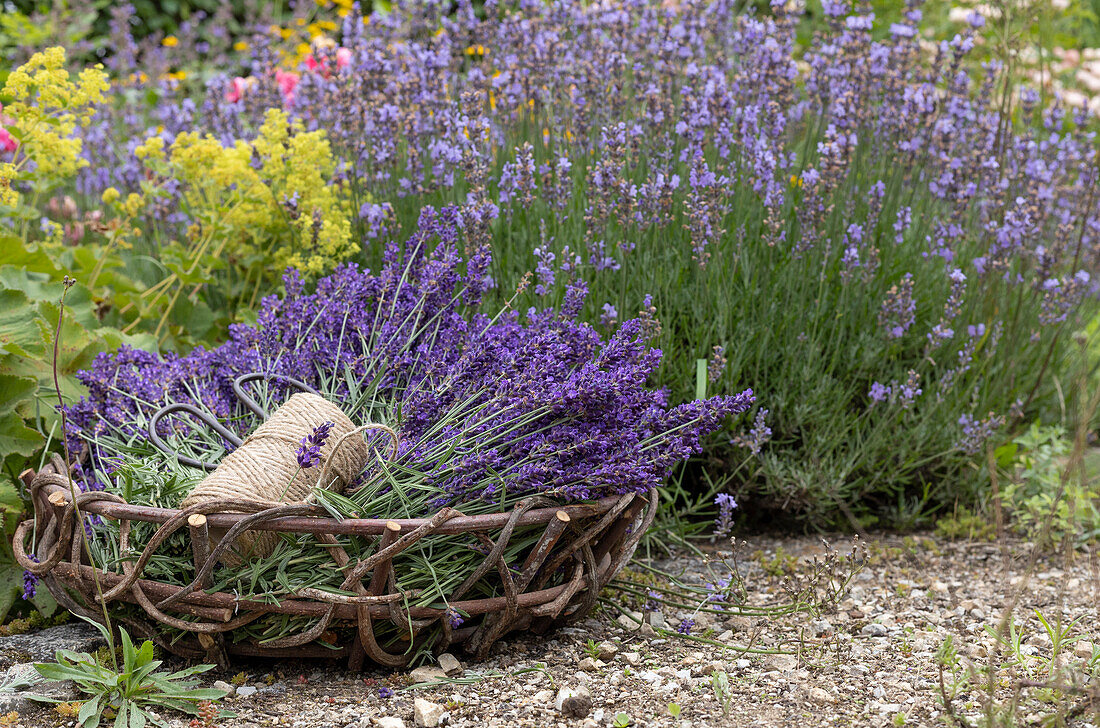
column 45, row 104
column 285, row 207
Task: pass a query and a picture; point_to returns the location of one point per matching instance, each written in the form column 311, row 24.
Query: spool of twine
column 265, row 467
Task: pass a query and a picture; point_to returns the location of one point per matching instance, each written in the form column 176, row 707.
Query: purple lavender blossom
column 724, row 523
column 30, row 581
column 685, row 626
column 385, row 693
column 309, row 452
column 899, row 309
column 454, row 619
column 609, row 316
column 879, row 392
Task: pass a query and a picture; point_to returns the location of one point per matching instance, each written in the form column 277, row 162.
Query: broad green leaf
column 15, row 389
column 16, row 438
column 90, row 708
column 11, row 587
column 11, row 504
column 19, row 330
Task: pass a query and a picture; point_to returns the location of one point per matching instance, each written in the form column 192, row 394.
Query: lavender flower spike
column 309, row 453
column 724, row 522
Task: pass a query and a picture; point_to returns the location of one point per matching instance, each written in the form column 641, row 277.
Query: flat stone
column 427, row 714
column 820, row 695
column 223, row 685
column 450, row 665
column 873, row 629
column 781, row 662
column 41, row 646
column 590, row 665
column 543, row 696
column 632, row 658
column 627, row 623
column 388, row 721
column 427, row 674
column 574, row 702
column 1083, row 649
column 26, row 684
column 606, row 651
column 246, row 691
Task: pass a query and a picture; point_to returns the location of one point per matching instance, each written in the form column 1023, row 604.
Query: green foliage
column 720, row 684
column 1040, row 486
column 965, row 524
column 132, row 691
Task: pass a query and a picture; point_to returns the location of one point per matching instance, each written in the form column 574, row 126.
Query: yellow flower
column 153, row 147
column 240, row 46
column 170, row 41
column 796, row 181
column 8, row 196
column 110, row 195
column 134, row 203
column 45, row 104
column 244, row 189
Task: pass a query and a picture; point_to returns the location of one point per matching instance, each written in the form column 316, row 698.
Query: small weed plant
column 135, row 691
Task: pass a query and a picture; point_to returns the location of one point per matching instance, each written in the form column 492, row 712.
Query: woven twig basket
column 581, row 548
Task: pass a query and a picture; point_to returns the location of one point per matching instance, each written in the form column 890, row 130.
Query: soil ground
column 866, row 659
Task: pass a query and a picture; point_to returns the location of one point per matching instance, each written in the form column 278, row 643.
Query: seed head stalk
column 83, row 535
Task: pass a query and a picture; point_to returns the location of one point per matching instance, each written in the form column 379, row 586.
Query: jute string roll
column 265, row 467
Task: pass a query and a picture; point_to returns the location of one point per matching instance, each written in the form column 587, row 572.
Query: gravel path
column 870, row 660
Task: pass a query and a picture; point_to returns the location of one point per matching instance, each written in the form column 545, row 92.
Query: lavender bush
column 893, row 244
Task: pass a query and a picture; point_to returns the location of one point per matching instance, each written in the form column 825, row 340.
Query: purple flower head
column 609, row 316
column 686, row 625
column 879, row 392
column 309, row 452
column 652, row 602
column 724, row 522
column 385, row 693
column 30, row 581
column 718, row 592
column 454, row 619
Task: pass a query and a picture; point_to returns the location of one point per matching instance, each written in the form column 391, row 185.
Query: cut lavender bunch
column 514, row 404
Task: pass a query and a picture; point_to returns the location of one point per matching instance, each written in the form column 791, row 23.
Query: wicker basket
column 580, row 549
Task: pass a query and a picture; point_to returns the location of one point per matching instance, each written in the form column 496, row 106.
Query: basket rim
column 324, row 523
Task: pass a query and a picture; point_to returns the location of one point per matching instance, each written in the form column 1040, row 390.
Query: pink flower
column 236, row 89
column 7, row 141
column 343, row 59
column 287, row 82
